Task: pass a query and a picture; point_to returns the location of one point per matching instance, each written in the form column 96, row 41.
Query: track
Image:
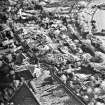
column 68, row 89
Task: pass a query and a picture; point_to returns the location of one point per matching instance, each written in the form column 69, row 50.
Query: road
column 68, row 89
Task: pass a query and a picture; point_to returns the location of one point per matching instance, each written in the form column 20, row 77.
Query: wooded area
column 67, row 35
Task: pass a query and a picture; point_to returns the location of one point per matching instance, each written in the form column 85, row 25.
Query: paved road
column 75, row 98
